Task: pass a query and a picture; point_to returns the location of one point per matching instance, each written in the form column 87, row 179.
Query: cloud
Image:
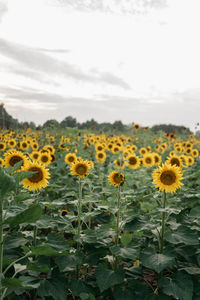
column 114, row 6
column 3, row 10
column 36, row 61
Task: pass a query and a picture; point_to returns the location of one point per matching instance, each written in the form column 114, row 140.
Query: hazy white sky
column 134, row 60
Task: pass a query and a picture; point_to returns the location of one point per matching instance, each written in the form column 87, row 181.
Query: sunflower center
column 1, row 146
column 100, row 155
column 14, row 160
column 168, row 177
column 132, row 160
column 71, row 158
column 35, row 156
column 38, row 176
column 156, row 159
column 11, row 143
column 24, row 145
column 44, row 158
column 81, row 169
column 175, row 161
column 148, row 160
column 118, row 178
column 99, row 148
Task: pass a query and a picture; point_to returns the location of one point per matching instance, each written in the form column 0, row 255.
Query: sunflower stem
column 118, row 215
column 79, row 212
column 1, row 247
column 163, row 216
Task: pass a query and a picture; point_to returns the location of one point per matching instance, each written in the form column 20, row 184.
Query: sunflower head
column 45, row 158
column 148, row 160
column 80, row 168
column 133, row 161
column 70, row 158
column 12, row 157
column 101, row 156
column 38, row 180
column 175, row 160
column 64, row 212
column 116, row 178
column 167, row 178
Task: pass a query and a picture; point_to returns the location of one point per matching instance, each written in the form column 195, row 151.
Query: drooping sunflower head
column 64, row 212
column 39, row 179
column 116, row 178
column 12, row 157
column 133, row 161
column 167, row 178
column 70, row 158
column 119, row 163
column 80, row 168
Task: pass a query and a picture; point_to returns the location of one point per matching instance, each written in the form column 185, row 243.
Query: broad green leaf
column 45, row 250
column 14, row 241
column 130, row 253
column 157, row 262
column 192, row 270
column 7, row 182
column 180, row 287
column 78, row 287
column 29, row 215
column 107, row 278
column 69, row 262
column 57, row 242
column 182, row 235
column 12, row 283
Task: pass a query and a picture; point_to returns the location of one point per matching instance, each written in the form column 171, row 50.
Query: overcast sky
column 130, row 60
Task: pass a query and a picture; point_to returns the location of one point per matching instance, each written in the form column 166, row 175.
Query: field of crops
column 85, row 215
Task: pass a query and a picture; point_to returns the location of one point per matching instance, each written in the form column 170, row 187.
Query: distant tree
column 51, row 123
column 68, row 122
column 118, row 125
column 171, row 128
column 91, row 124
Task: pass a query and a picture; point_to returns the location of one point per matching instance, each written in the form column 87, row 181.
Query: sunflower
column 116, row 178
column 50, row 148
column 35, row 155
column 34, row 146
column 190, row 160
column 11, row 143
column 133, row 161
column 80, row 168
column 101, row 157
column 99, row 147
column 119, row 163
column 157, row 159
column 2, row 146
column 45, row 159
column 53, row 157
column 136, row 126
column 195, row 153
column 13, row 156
column 24, row 145
column 167, row 178
column 64, row 212
column 175, row 160
column 38, row 180
column 115, row 149
column 148, row 160
column 143, row 151
column 1, row 162
column 70, row 158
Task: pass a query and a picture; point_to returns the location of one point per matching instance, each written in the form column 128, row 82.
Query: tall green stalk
column 118, row 215
column 79, row 211
column 163, row 219
column 1, row 246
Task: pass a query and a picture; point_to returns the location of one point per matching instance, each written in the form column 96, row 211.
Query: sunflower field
column 86, row 215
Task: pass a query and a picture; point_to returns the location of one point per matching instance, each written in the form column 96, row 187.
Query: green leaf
column 107, row 278
column 78, row 287
column 69, row 262
column 12, row 283
column 7, row 182
column 57, row 242
column 182, row 235
column 56, row 287
column 130, row 253
column 157, row 262
column 14, row 241
column 126, row 238
column 192, row 270
column 45, row 250
column 180, row 287
column 29, row 215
